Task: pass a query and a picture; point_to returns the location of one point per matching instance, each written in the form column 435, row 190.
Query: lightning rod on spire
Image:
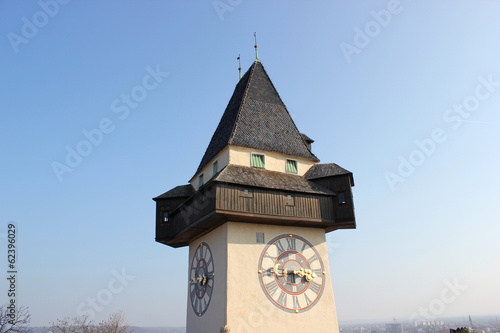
column 239, row 65
column 256, row 47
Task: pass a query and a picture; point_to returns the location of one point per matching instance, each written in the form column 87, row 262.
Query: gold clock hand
column 307, row 273
column 275, row 269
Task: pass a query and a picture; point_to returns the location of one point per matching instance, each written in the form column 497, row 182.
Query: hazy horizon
column 380, row 321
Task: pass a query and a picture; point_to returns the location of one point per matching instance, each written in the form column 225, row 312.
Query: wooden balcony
column 180, row 220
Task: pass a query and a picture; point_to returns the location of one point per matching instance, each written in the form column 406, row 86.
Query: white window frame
column 260, row 154
column 296, row 166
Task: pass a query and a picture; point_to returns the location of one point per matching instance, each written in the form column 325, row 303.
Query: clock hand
column 275, row 269
column 308, row 274
column 202, row 279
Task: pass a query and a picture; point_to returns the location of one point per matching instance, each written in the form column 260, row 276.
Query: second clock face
column 201, row 279
column 291, row 273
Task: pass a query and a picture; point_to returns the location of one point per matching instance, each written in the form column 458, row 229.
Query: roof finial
column 239, row 64
column 256, row 47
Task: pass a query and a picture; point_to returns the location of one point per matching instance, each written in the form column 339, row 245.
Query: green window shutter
column 291, row 166
column 258, row 161
column 200, row 181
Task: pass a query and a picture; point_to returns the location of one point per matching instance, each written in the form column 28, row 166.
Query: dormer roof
column 327, row 170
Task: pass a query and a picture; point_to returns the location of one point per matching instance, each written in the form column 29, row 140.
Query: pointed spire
column 256, row 47
column 257, row 118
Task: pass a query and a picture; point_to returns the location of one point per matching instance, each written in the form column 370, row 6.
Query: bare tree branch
column 115, row 323
column 14, row 322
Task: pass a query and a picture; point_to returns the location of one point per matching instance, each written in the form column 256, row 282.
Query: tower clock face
column 291, row 273
column 201, row 279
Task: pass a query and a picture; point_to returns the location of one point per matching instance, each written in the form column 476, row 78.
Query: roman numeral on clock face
column 268, row 256
column 291, row 244
column 315, row 287
column 200, row 306
column 308, row 301
column 296, row 304
column 209, row 261
column 272, row 287
column 279, row 247
column 312, row 259
column 282, row 298
column 192, row 294
column 209, row 290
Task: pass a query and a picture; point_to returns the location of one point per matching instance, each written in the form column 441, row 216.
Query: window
column 200, row 181
column 289, row 200
column 259, row 237
column 215, row 167
column 258, row 161
column 165, row 217
column 246, row 193
column 341, row 198
column 291, row 166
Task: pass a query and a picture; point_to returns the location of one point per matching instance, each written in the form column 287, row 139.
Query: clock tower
column 254, row 215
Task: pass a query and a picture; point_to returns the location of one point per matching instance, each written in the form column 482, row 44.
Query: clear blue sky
column 406, row 95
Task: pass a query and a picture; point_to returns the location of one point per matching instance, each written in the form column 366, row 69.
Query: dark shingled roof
column 255, row 177
column 306, row 138
column 325, row 170
column 180, row 191
column 256, row 117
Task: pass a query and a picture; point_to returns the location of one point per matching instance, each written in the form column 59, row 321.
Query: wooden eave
column 217, row 218
column 187, row 226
